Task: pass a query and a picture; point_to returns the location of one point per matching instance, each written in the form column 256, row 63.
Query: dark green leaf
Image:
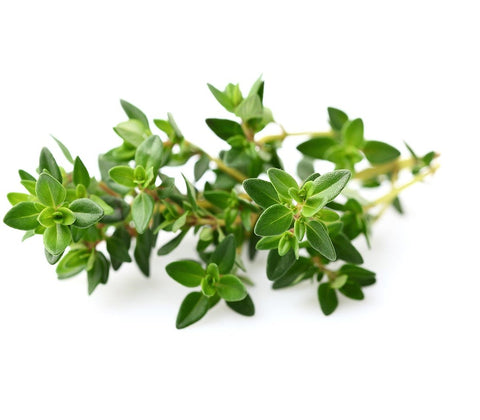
column 193, row 308
column 118, row 249
column 186, row 272
column 52, row 259
column 133, row 112
column 337, row 118
column 346, row 251
column 201, row 166
column 262, row 192
column 120, row 209
column 300, row 270
column 86, row 212
column 243, row 307
column 277, row 265
column 57, row 238
column 378, row 152
column 149, row 154
column 172, row 244
column 98, row 274
column 48, row 163
column 318, row 238
column 352, row 290
column 142, row 211
column 231, row 288
column 397, row 205
column 80, row 173
column 25, row 176
column 224, row 128
column 219, row 198
column 361, row 275
column 22, row 216
column 143, row 249
column 316, row 147
column 274, row 220
column 224, row 254
column 49, row 191
column 327, row 298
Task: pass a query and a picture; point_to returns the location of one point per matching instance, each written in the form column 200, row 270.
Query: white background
column 410, row 350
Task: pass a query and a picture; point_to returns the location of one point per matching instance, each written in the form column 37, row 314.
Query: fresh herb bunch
column 307, row 227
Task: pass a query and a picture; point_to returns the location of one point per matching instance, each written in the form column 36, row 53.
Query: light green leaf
column 123, row 175
column 80, row 173
column 15, row 198
column 222, row 98
column 251, row 107
column 64, row 150
column 353, row 133
column 57, row 238
column 142, row 211
column 132, row 132
column 72, row 263
column 149, row 154
column 48, row 163
column 337, row 118
column 22, row 216
column 331, row 184
column 191, row 193
column 231, row 288
column 49, row 191
column 134, row 113
column 201, row 166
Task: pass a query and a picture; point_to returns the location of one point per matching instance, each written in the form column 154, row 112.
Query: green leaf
column 57, row 238
column 339, row 282
column 64, row 150
column 80, row 173
column 282, row 182
column 231, row 288
column 15, row 198
column 222, row 98
column 331, row 184
column 316, row 147
column 361, row 275
column 301, row 269
column 72, row 263
column 224, row 128
column 353, row 133
column 378, row 152
column 22, row 216
column 224, row 254
column 25, row 176
column 243, row 307
column 142, row 211
column 305, row 167
column 143, row 250
column 397, row 205
column 345, row 250
column 193, row 308
column 49, row 191
column 134, row 113
column 176, row 131
column 219, row 198
column 86, row 212
column 172, row 244
column 118, row 249
column 251, row 107
column 50, row 216
column 133, row 132
column 98, row 274
column 149, row 154
column 180, row 222
column 273, row 221
column 352, row 290
column 52, row 259
column 317, row 236
column 201, row 166
column 262, row 192
column 327, row 297
column 29, row 186
column 123, row 175
column 191, row 193
column 268, row 242
column 186, row 272
column 278, row 265
column 48, row 163
column 337, row 118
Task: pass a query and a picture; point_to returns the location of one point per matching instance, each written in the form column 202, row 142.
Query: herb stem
column 395, row 191
column 284, row 134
